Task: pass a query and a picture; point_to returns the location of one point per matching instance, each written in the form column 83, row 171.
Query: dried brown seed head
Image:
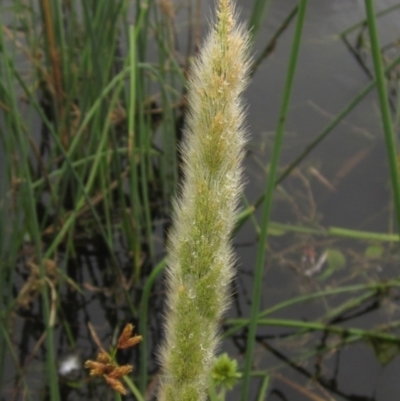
column 126, row 340
column 116, row 385
column 103, row 357
column 96, row 368
column 121, row 371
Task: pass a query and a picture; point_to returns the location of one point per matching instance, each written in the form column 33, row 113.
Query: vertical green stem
column 258, row 13
column 143, row 318
column 268, row 200
column 134, row 182
column 30, row 215
column 384, row 105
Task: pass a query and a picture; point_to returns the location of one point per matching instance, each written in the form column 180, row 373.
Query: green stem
column 363, row 23
column 133, row 388
column 258, row 14
column 361, row 235
column 384, row 105
column 316, row 326
column 144, row 303
column 262, row 394
column 334, row 122
column 258, row 282
column 373, row 288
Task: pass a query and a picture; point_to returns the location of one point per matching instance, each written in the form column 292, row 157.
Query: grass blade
column 268, row 200
column 390, row 138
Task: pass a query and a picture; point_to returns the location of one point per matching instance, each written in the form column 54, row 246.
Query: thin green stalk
column 11, row 348
column 143, row 318
column 316, row 326
column 144, row 136
column 84, row 189
column 384, row 105
column 212, row 392
column 138, row 38
column 269, row 48
column 362, row 235
column 245, row 214
column 258, row 14
column 349, row 305
column 133, row 388
column 344, row 341
column 373, row 288
column 334, row 122
column 32, row 223
column 397, row 114
column 134, row 182
column 259, row 269
column 142, row 15
column 262, row 394
column 166, row 79
column 363, row 23
column 280, row 229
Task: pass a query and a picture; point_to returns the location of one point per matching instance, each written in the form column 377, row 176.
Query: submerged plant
column 200, row 254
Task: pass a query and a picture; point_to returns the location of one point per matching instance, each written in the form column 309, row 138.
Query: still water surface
column 352, row 158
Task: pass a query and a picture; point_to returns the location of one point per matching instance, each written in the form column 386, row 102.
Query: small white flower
column 70, row 366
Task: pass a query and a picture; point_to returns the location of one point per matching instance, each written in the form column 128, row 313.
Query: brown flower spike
column 104, row 364
column 126, row 339
column 98, row 368
column 116, row 385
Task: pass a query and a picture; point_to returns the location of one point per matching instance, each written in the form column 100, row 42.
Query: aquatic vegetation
column 105, row 364
column 93, row 98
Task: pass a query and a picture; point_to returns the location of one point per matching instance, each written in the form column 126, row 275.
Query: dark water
column 344, row 182
column 353, row 159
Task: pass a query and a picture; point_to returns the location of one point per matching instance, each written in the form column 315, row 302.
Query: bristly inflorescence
column 200, row 265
